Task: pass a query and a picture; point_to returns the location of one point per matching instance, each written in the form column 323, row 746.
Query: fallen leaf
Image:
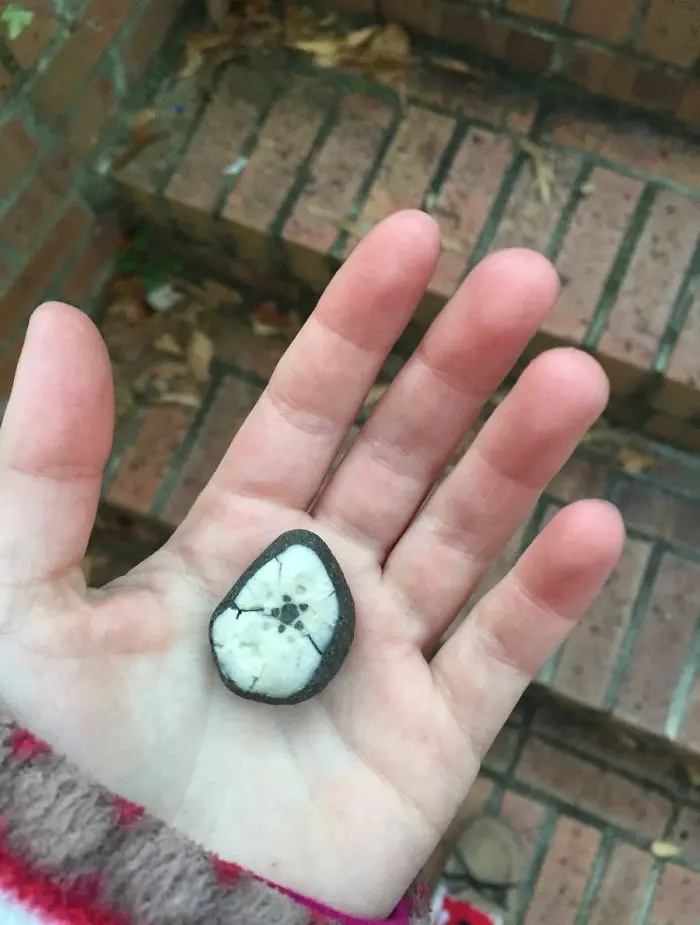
column 166, row 343
column 541, row 167
column 127, row 308
column 663, row 850
column 692, row 770
column 200, row 353
column 145, row 130
column 455, row 66
column 183, row 399
column 634, row 460
column 199, row 45
column 167, row 370
column 268, row 321
column 164, row 297
column 374, row 395
column 359, row 37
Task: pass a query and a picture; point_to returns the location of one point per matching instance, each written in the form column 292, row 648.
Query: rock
column 285, row 628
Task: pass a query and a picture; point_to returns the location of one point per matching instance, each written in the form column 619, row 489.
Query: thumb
column 54, row 443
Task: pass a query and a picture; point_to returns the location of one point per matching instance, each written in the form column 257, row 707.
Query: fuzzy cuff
column 71, row 852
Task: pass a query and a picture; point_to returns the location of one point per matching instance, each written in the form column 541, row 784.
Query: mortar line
column 640, row 610
column 680, row 312
column 179, row 457
column 681, row 696
column 576, row 196
column 337, row 249
column 529, row 883
column 595, row 879
column 621, row 264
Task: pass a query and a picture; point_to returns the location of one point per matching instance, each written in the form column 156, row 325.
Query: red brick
column 24, row 294
column 597, row 230
column 686, row 834
column 689, row 109
column 657, row 89
column 592, row 788
column 680, row 393
column 18, row 149
column 147, row 36
column 106, row 18
column 231, row 405
column 146, row 461
column 476, row 30
column 95, row 108
column 466, row 201
column 91, row 265
column 690, row 730
column 336, row 176
column 28, row 47
column 27, row 220
column 605, row 742
column 676, row 898
column 409, row 165
column 59, row 85
column 284, row 143
column 419, row 15
column 602, row 19
column 658, row 512
column 579, row 478
column 659, row 154
column 606, row 73
column 221, row 134
column 641, row 312
column 547, row 10
column 564, row 875
column 237, row 345
column 511, row 109
column 624, row 886
column 661, row 649
column 672, row 31
column 529, row 221
column 589, row 657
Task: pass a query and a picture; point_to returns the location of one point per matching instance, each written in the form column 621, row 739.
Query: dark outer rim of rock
column 342, row 637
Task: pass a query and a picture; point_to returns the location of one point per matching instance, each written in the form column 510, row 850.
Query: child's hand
column 345, row 796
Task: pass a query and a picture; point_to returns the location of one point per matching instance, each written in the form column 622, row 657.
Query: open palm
column 345, row 796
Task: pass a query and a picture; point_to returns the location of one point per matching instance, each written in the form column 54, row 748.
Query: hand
column 345, row 796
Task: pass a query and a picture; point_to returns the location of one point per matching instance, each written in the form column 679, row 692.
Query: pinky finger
column 486, row 665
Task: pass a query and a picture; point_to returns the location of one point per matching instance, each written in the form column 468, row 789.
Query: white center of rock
column 272, row 638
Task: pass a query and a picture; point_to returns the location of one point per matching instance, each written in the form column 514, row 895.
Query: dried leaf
column 166, row 343
column 374, row 395
column 392, row 43
column 455, row 66
column 145, row 130
column 127, row 308
column 542, row 168
column 359, row 37
column 268, row 321
column 165, row 297
column 200, row 353
column 183, row 399
column 692, row 770
column 634, row 460
column 663, row 850
column 199, row 45
column 167, row 370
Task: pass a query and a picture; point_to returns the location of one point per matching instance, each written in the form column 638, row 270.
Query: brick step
column 274, row 175
column 634, row 663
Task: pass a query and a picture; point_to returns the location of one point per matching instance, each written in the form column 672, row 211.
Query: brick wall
column 62, row 82
column 641, row 52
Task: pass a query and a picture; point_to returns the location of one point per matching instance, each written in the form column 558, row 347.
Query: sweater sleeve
column 72, row 853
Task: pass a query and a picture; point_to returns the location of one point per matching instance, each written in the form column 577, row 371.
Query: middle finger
column 423, row 417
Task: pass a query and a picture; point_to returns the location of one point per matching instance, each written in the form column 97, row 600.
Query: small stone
column 285, row 628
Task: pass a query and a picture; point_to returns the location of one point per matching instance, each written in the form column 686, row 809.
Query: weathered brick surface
column 661, row 650
column 601, row 19
column 642, row 310
column 466, row 200
column 565, row 873
column 589, row 658
column 590, row 247
column 62, row 79
column 623, row 887
column 672, row 31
